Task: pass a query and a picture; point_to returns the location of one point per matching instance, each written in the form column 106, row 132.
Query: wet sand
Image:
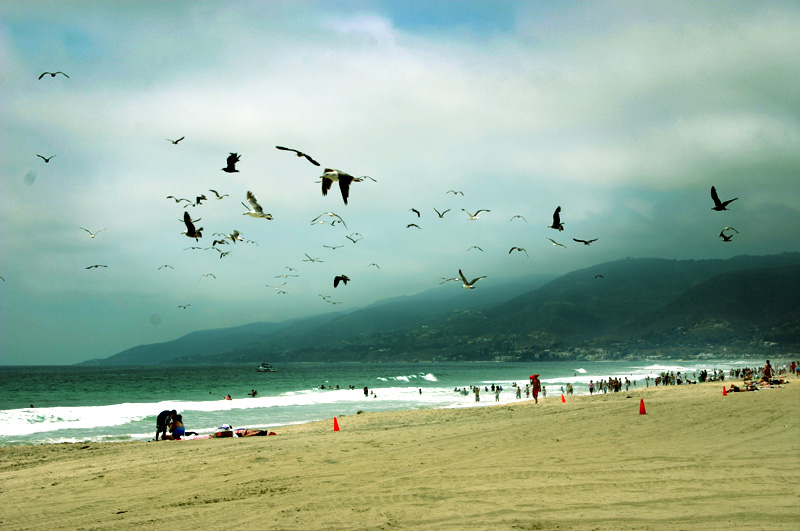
column 696, row 460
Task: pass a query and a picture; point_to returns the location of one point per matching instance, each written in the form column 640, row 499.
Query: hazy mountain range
column 626, row 308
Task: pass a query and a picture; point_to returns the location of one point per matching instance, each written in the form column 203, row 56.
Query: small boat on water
column 266, row 367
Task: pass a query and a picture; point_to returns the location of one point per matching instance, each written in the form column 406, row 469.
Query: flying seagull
column 415, row 211
column 208, row 275
column 235, row 236
column 444, row 280
column 309, row 259
column 166, row 265
column 53, row 74
column 217, row 194
column 92, row 234
column 332, row 215
column 257, row 211
column 474, row 216
column 45, row 159
column 475, row 247
column 299, row 154
column 725, row 238
column 190, row 231
column 441, row 214
column 518, row 249
column 556, row 220
column 178, row 199
column 285, row 276
column 340, row 278
column 413, row 225
column 231, row 161
column 96, row 265
column 374, row 264
column 333, row 246
column 330, row 175
column 176, row 141
column 585, row 242
column 518, row 216
column 471, row 283
column 454, row 192
column 720, row 205
column 556, row 243
column 352, row 237
column 599, row 276
column 184, row 306
column 730, row 228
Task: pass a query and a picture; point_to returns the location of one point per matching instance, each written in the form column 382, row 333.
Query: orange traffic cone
column 335, row 424
column 641, row 407
column 724, row 391
column 563, row 399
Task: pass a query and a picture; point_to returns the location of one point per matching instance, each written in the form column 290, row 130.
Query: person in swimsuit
column 536, row 386
column 177, row 429
column 162, row 421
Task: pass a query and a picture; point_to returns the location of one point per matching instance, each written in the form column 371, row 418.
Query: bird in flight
column 352, row 237
column 176, row 141
column 53, row 74
column 96, row 265
column 45, row 159
column 235, row 236
column 441, row 214
column 599, row 276
column 475, row 247
column 340, row 278
column 178, row 200
column 231, row 161
column 556, row 220
column 309, row 259
column 720, row 205
column 91, row 234
column 198, row 200
column 332, row 215
column 299, row 154
column 413, row 225
column 476, row 215
column 217, row 194
column 518, row 216
column 257, row 211
column 556, row 243
column 333, row 246
column 454, row 192
column 471, row 283
column 208, row 275
column 344, row 179
column 730, row 228
column 518, row 249
column 184, row 306
column 374, row 264
column 285, row 276
column 585, row 242
column 725, row 238
column 415, row 211
column 190, row 231
column 166, row 265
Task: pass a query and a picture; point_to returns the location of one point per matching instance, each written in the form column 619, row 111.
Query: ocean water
column 74, row 404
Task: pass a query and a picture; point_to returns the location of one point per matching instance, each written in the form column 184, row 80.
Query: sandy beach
column 696, row 460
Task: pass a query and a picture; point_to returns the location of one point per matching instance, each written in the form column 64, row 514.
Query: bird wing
column 715, row 197
column 463, row 278
column 181, row 138
column 187, row 219
column 557, row 217
column 326, row 185
column 43, row 74
column 251, row 198
column 288, row 149
column 344, row 185
column 415, row 211
column 312, row 161
column 474, row 280
column 63, row 74
column 478, row 213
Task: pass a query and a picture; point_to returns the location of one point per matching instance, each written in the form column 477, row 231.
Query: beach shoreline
column 695, row 460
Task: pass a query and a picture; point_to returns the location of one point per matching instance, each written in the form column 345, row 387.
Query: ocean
column 54, row 404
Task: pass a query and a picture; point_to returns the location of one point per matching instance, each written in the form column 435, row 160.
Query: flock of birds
column 254, row 209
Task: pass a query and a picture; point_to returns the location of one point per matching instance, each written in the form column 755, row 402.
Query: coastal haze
column 623, row 114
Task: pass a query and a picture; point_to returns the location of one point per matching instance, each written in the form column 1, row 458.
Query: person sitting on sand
column 176, row 429
column 162, row 421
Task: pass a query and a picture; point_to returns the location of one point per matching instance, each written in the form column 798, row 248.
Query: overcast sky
column 622, row 113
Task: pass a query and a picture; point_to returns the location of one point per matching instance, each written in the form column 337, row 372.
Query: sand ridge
column 696, row 460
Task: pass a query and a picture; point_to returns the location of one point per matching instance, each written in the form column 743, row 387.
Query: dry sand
column 696, row 460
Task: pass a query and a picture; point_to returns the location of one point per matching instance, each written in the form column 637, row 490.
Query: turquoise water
column 121, row 403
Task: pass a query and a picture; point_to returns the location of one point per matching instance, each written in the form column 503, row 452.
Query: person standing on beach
column 536, row 386
column 162, row 421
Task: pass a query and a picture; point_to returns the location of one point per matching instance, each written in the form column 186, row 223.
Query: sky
column 624, row 114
